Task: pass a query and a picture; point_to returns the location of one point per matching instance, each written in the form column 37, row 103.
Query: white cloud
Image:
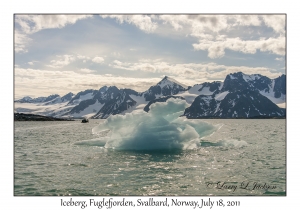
column 279, row 59
column 217, row 48
column 39, row 82
column 212, row 31
column 98, row 60
column 64, row 60
column 31, row 63
column 203, row 24
column 34, row 23
column 176, row 21
column 86, row 71
column 277, row 22
column 143, row 22
column 192, row 72
column 247, row 20
column 83, row 57
column 207, row 23
column 21, row 40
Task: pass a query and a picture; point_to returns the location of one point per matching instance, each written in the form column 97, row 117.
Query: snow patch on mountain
column 232, row 77
column 88, row 111
column 250, row 77
column 195, row 89
column 83, row 98
column 198, row 89
column 205, row 91
column 278, row 101
column 140, row 102
column 40, row 109
column 221, row 96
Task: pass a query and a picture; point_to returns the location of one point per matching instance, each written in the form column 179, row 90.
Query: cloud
column 143, row 66
column 217, row 48
column 86, row 71
column 189, row 73
column 31, row 63
column 277, row 22
column 64, row 60
column 216, row 33
column 143, row 22
column 204, row 24
column 195, row 24
column 21, row 40
column 212, row 31
column 39, row 82
column 176, row 21
column 98, row 60
column 34, row 23
column 246, row 20
column 279, row 59
column 83, row 57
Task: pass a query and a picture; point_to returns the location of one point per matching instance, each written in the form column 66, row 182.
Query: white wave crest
column 224, row 143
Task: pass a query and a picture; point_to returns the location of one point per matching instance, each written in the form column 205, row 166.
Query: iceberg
column 162, row 128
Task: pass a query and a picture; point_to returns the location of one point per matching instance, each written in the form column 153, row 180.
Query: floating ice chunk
column 161, row 128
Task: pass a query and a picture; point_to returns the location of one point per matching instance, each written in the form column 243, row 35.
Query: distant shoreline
column 33, row 117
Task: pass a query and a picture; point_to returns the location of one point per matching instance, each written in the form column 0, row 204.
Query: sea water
column 238, row 157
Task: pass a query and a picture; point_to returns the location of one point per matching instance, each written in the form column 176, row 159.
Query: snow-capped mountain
column 129, row 100
column 205, row 88
column 167, row 86
column 122, row 102
column 53, row 105
column 67, row 97
column 273, row 89
column 89, row 102
column 239, row 95
column 82, row 96
column 239, row 104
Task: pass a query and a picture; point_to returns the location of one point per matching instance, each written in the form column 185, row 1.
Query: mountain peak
column 168, row 79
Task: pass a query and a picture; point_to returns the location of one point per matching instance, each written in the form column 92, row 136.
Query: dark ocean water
column 243, row 157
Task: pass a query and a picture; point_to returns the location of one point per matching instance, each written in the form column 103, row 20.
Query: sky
column 58, row 54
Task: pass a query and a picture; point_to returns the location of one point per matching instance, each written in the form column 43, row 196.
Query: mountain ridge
column 208, row 99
